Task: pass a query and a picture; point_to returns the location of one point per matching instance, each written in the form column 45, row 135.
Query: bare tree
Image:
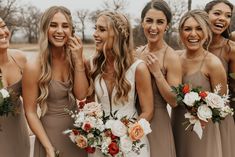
column 189, row 4
column 82, row 15
column 31, row 17
column 9, row 12
column 115, row 5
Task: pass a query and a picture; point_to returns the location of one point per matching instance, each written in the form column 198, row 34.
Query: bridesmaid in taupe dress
column 14, row 137
column 220, row 12
column 200, row 69
column 50, row 81
column 159, row 57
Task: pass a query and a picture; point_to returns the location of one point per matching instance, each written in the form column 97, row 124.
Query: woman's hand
column 153, row 64
column 76, row 47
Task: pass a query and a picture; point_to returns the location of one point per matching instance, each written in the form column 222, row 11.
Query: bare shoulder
column 18, row 56
column 32, row 68
column 173, row 55
column 232, row 45
column 213, row 62
column 141, row 68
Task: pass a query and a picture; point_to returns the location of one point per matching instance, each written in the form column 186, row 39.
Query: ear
column 167, row 27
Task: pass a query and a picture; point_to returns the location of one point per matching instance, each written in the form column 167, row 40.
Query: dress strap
column 164, row 56
column 21, row 71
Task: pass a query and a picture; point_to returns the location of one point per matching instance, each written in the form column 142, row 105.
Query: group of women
column 115, row 75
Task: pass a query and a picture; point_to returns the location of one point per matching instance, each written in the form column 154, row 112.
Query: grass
column 88, row 49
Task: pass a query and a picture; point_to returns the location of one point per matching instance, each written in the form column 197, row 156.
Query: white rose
column 125, row 144
column 109, row 124
column 118, row 128
column 214, row 101
column 5, row 93
column 204, row 112
column 190, row 98
column 145, row 125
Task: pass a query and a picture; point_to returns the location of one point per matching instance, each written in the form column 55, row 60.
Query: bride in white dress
column 116, row 77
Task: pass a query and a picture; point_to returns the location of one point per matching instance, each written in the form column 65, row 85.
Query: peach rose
column 136, row 132
column 81, row 141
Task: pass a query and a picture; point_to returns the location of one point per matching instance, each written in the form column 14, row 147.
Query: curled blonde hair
column 45, row 55
column 122, row 50
column 202, row 19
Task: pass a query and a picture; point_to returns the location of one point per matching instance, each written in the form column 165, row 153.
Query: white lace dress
column 126, row 109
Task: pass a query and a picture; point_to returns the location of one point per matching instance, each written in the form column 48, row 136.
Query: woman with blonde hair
column 14, row 139
column 200, row 69
column 116, row 76
column 220, row 13
column 53, row 80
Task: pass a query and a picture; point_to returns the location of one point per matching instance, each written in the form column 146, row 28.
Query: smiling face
column 4, row 35
column 220, row 17
column 192, row 34
column 104, row 34
column 59, row 30
column 154, row 25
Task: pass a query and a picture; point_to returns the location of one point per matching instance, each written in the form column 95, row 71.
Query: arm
column 144, row 90
column 30, row 94
column 217, row 74
column 81, row 85
column 173, row 78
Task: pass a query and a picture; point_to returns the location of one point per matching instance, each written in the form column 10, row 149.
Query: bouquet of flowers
column 88, row 126
column 202, row 106
column 124, row 135
column 7, row 102
column 112, row 136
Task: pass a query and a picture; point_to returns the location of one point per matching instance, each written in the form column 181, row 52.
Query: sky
column 133, row 9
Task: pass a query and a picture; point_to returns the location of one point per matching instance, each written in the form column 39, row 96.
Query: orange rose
column 186, row 89
column 81, row 141
column 136, row 132
column 203, row 94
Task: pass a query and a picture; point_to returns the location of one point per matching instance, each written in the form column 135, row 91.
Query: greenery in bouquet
column 110, row 135
column 7, row 102
column 202, row 106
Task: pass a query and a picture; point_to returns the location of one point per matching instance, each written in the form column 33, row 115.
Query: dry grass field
column 88, row 49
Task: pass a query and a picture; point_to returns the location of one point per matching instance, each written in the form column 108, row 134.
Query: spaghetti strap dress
column 14, row 136
column 187, row 142
column 56, row 120
column 227, row 127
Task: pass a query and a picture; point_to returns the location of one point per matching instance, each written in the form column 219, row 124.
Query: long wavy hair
column 203, row 20
column 122, row 51
column 45, row 54
column 211, row 4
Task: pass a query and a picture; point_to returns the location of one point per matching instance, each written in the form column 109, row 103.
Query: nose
column 95, row 34
column 1, row 31
column 154, row 25
column 59, row 29
column 193, row 32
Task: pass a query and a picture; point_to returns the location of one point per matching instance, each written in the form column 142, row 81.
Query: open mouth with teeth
column 219, row 26
column 59, row 38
